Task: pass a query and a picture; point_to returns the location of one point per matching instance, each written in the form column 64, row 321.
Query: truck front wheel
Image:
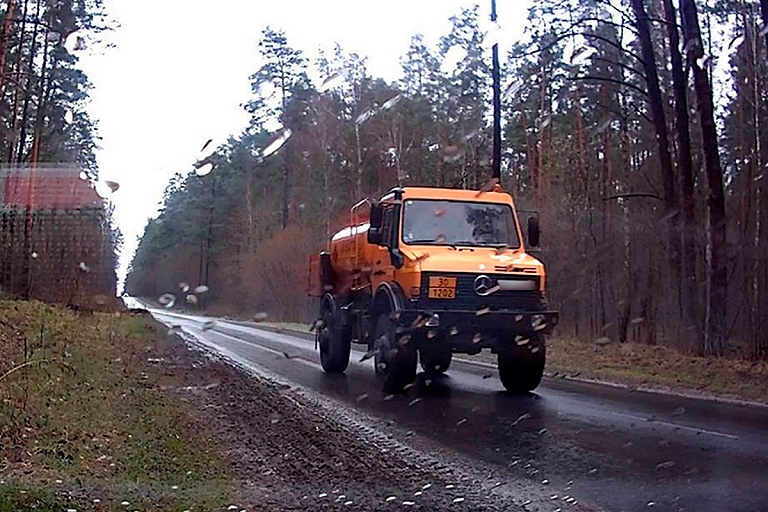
column 436, row 360
column 334, row 341
column 395, row 356
column 522, row 366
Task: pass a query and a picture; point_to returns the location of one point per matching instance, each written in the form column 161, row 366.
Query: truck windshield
column 458, row 223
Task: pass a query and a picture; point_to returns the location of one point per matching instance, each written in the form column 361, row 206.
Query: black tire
column 334, row 341
column 396, row 358
column 521, row 367
column 436, row 360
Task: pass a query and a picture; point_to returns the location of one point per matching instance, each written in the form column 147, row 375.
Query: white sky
column 179, row 73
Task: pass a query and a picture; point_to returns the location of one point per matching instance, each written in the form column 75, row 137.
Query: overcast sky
column 179, row 73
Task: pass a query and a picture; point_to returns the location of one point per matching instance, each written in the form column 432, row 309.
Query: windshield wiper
column 431, row 241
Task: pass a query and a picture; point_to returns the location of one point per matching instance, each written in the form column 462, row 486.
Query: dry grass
column 80, row 419
column 632, row 363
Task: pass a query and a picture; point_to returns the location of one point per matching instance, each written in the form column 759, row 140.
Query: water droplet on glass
column 205, row 169
column 679, row 411
column 323, row 495
column 392, row 102
column 34, row 255
column 390, row 499
column 332, row 82
column 105, row 188
column 362, row 397
column 74, row 42
column 450, row 486
column 545, row 482
column 69, row 117
column 83, row 176
column 425, row 487
column 461, row 421
column 210, row 324
column 703, row 61
column 167, row 300
column 184, row 287
column 83, row 266
column 736, row 42
column 487, row 376
column 483, row 311
column 458, row 500
column 191, row 299
column 665, row 465
column 524, row 416
column 580, row 55
column 477, row 338
column 259, row 317
column 366, row 115
column 651, row 504
column 454, row 331
column 414, row 401
column 545, row 122
column 521, row 340
column 278, row 140
column 201, row 289
column 542, row 431
column 592, row 471
column 348, row 502
column 408, row 503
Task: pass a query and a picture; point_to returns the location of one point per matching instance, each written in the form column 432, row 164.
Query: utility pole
column 495, row 72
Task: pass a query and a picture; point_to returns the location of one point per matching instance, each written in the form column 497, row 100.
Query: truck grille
column 466, row 298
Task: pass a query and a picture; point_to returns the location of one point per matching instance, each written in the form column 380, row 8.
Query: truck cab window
column 430, row 222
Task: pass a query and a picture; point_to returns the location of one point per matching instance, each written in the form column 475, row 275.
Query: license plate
column 442, row 293
column 442, row 282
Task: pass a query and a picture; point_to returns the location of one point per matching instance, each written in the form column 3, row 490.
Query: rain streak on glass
column 392, row 102
column 277, row 142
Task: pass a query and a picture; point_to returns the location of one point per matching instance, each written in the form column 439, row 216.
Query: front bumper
column 496, row 324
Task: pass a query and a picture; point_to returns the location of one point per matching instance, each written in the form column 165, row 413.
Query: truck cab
column 432, row 272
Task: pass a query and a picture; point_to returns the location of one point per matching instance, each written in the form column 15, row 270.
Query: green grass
column 82, row 408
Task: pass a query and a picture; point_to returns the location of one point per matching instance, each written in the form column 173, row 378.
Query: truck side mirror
column 376, row 215
column 374, row 236
column 534, row 232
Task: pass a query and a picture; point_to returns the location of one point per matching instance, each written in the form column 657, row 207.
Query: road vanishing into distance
column 571, row 445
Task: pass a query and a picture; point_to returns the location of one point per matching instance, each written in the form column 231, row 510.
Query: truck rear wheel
column 522, row 366
column 334, row 340
column 396, row 356
column 436, row 359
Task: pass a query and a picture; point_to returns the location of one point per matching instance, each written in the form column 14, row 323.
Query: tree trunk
column 715, row 336
column 656, row 104
column 764, row 9
column 688, row 297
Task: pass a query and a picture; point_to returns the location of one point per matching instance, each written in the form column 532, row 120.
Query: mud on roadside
column 286, row 454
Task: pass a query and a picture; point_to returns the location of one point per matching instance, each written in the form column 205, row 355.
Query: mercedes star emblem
column 483, row 285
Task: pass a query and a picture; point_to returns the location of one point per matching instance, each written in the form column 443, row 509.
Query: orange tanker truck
column 425, row 273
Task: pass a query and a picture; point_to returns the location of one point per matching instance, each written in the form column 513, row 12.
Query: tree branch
column 610, row 80
column 631, row 195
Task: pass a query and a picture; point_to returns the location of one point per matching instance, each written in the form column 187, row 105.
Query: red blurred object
column 46, row 188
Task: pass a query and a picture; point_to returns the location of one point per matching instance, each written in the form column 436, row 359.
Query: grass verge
column 634, row 364
column 84, row 425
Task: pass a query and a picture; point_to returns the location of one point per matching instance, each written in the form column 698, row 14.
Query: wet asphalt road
column 608, row 448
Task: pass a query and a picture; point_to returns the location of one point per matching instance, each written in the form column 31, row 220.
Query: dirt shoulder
column 130, row 418
column 635, row 365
